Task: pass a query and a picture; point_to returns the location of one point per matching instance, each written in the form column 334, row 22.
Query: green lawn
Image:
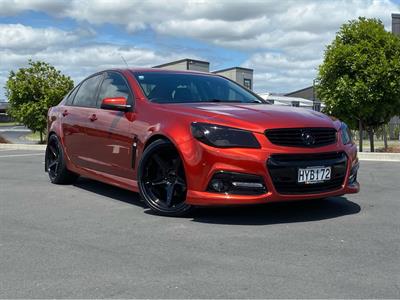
column 8, row 124
column 35, row 137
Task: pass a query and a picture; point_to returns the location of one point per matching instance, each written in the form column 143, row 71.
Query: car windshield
column 163, row 87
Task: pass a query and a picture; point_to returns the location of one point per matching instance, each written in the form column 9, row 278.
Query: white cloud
column 20, row 37
column 79, row 62
column 214, row 30
column 280, row 72
column 283, row 40
column 13, row 7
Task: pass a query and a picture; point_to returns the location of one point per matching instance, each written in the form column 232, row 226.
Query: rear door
column 78, row 117
column 112, row 131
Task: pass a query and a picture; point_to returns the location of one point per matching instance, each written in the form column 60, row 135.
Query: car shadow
column 268, row 214
column 278, row 213
column 109, row 191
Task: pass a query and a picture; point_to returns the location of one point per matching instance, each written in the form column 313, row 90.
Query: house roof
column 182, row 60
column 232, row 68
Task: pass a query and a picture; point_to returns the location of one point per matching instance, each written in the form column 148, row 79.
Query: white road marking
column 18, row 155
column 14, row 130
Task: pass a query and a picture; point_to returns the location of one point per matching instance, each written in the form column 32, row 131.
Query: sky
column 283, row 41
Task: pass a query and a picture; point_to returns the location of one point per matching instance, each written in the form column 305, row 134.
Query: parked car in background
column 185, row 139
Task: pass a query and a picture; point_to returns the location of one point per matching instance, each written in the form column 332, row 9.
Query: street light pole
column 313, row 92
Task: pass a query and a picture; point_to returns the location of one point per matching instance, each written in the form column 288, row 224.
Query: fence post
column 360, row 132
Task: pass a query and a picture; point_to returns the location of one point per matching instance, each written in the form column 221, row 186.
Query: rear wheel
column 55, row 163
column 162, row 180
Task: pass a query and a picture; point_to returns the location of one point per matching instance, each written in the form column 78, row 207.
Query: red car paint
column 99, row 143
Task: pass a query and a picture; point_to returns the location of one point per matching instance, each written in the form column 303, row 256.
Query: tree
column 32, row 91
column 359, row 79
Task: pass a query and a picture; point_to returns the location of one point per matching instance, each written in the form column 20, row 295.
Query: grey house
column 186, row 64
column 241, row 75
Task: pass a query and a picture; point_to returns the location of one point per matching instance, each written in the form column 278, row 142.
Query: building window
column 247, row 83
column 296, row 103
column 317, row 106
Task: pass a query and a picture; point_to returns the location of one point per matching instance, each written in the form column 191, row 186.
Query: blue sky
column 283, row 41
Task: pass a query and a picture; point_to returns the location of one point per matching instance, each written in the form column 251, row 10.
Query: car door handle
column 65, row 113
column 93, row 118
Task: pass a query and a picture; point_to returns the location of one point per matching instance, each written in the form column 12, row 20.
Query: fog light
column 248, row 185
column 237, row 183
column 218, row 185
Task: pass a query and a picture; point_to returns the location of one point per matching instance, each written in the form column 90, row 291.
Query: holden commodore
column 184, row 139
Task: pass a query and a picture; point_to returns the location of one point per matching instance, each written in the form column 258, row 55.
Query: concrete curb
column 22, row 147
column 376, row 156
column 379, row 156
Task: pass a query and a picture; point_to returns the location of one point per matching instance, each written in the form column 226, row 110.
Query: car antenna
column 123, row 59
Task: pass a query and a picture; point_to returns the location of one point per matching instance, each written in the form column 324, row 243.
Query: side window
column 71, row 96
column 87, row 92
column 114, row 85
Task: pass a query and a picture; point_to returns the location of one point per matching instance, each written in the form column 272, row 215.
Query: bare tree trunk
column 41, row 137
column 360, row 131
column 385, row 137
column 371, row 139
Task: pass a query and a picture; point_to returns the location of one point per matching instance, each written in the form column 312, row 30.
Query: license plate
column 314, row 175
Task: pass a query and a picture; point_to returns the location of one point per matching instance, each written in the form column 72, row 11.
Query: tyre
column 162, row 181
column 55, row 163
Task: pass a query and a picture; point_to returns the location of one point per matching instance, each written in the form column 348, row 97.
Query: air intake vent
column 302, row 137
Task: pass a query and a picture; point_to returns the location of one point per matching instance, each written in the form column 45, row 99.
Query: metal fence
column 5, row 118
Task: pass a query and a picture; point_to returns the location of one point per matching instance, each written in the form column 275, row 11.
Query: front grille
column 302, row 137
column 283, row 169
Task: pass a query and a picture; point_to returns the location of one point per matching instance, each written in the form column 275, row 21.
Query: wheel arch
column 50, row 133
column 155, row 137
column 160, row 136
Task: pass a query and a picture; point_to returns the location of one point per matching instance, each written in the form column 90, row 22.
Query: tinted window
column 114, row 85
column 180, row 88
column 86, row 95
column 71, row 96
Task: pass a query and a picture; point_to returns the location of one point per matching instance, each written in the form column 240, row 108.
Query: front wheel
column 162, row 181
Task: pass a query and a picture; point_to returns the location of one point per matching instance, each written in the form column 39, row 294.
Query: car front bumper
column 202, row 162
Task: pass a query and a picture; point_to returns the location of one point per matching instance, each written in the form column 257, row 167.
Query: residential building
column 186, row 64
column 243, row 76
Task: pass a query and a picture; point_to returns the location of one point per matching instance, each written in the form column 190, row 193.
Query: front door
column 111, row 132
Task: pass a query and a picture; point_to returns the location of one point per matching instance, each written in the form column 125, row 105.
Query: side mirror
column 115, row 103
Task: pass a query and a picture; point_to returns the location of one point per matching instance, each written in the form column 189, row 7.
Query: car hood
column 254, row 117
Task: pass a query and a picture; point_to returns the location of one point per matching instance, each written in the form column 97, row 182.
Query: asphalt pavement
column 91, row 240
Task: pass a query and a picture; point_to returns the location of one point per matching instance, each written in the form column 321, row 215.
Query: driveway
column 91, row 240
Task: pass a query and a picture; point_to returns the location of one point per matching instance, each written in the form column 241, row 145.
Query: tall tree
column 32, row 91
column 359, row 79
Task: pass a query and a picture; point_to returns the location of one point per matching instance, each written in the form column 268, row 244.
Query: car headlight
column 346, row 134
column 223, row 137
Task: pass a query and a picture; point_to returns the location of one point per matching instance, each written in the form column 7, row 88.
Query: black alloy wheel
column 162, row 181
column 55, row 163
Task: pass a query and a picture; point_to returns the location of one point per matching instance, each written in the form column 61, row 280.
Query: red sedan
column 185, row 139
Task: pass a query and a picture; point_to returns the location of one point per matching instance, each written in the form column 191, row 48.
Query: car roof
column 160, row 70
